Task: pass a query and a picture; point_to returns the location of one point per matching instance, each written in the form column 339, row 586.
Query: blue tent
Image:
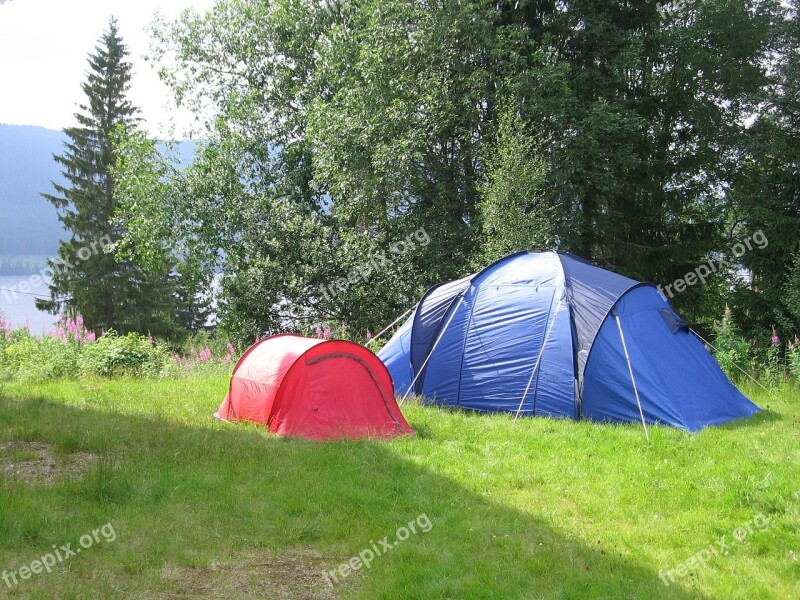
column 549, row 334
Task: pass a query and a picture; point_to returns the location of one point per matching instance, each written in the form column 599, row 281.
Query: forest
column 649, row 139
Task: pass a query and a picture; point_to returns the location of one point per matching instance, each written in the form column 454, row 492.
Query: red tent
column 315, row 389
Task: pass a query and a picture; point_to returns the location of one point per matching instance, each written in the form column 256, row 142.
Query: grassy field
column 543, row 509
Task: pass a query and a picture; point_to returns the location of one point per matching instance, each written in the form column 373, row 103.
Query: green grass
column 542, row 509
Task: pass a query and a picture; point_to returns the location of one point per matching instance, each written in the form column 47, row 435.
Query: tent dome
column 552, row 335
column 313, row 388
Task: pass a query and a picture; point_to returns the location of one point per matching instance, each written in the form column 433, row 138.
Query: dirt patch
column 37, row 463
column 290, row 575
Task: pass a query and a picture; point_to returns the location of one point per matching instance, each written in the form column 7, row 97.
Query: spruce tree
column 87, row 279
column 767, row 197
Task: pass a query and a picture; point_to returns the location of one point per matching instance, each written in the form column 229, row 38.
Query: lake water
column 19, row 308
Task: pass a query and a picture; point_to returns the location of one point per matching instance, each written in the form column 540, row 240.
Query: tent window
column 673, row 321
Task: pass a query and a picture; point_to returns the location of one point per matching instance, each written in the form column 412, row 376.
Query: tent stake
column 633, row 381
column 538, row 358
column 436, row 343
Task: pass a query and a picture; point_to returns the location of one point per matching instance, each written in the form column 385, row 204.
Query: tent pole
column 390, row 326
column 436, row 343
column 536, row 365
column 633, row 381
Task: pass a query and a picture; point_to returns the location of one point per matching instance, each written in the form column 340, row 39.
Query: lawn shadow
column 288, row 511
column 759, row 419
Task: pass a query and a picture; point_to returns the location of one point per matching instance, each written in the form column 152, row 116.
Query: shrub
column 131, row 354
column 772, row 369
column 32, row 359
column 793, row 358
column 70, row 350
column 732, row 351
column 25, row 357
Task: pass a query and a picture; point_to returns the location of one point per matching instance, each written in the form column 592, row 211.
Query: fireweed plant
column 69, row 350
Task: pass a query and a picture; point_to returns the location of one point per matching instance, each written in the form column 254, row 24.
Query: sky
column 44, row 45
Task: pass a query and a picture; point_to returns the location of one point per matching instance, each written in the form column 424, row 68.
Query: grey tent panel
column 430, row 314
column 591, row 292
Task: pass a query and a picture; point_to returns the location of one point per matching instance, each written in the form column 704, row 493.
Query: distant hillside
column 29, row 225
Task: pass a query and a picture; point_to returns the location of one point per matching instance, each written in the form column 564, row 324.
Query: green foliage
column 114, row 355
column 87, row 278
column 514, row 205
column 772, row 370
column 609, row 130
column 203, row 354
column 27, row 358
column 216, row 342
column 765, row 195
column 791, row 289
column 150, row 187
column 731, row 350
column 71, row 352
column 793, row 358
